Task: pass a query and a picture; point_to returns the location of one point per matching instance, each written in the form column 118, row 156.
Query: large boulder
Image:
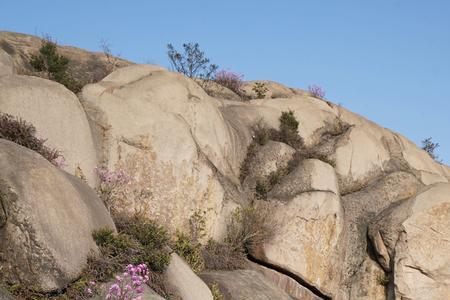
column 162, row 129
column 46, row 221
column 6, row 63
column 57, row 115
column 309, row 176
column 306, row 237
column 285, row 282
column 244, row 284
column 412, row 241
column 184, row 281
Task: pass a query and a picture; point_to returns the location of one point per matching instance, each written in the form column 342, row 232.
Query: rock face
column 165, row 131
column 286, row 283
column 184, row 281
column 46, row 221
column 361, row 212
column 412, row 243
column 57, row 115
column 308, row 228
column 84, row 66
column 244, row 284
column 274, row 89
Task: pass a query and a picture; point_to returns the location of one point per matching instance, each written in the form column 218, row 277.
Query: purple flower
column 316, row 91
column 130, row 286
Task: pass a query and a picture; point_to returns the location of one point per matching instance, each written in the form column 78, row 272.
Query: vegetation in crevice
column 24, row 133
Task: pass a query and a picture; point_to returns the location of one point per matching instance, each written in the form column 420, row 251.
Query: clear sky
column 388, row 60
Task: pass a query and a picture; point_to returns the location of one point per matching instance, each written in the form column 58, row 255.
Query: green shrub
column 250, row 227
column 288, row 122
column 145, row 231
column 23, row 133
column 245, row 166
column 289, row 129
column 276, row 176
column 383, row 280
column 429, row 146
column 260, row 89
column 190, row 250
column 261, row 133
column 261, row 189
column 223, row 256
column 54, row 65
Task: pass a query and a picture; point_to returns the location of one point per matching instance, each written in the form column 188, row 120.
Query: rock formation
column 361, row 212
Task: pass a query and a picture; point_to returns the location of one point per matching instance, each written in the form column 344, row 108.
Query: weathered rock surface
column 414, row 240
column 275, row 89
column 84, row 66
column 46, row 220
column 57, row 115
column 307, row 233
column 184, row 281
column 165, row 131
column 286, row 283
column 6, row 63
column 311, row 175
column 244, row 284
column 270, row 158
column 351, row 215
column 4, row 295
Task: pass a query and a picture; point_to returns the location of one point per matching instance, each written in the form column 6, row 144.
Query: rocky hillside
column 358, row 211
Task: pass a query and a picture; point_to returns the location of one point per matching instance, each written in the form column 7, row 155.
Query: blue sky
column 387, row 60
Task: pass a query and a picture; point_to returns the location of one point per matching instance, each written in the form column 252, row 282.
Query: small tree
column 192, row 62
column 111, row 60
column 429, row 146
column 53, row 65
column 289, row 129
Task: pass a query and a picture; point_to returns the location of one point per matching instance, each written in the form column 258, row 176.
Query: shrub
column 260, row 89
column 289, row 129
column 383, row 280
column 189, row 246
column 54, row 65
column 111, row 60
column 261, row 189
column 230, row 80
column 192, row 63
column 249, row 228
column 23, row 133
column 429, row 146
column 223, row 256
column 316, row 91
column 112, row 185
column 245, row 166
column 261, row 133
column 189, row 250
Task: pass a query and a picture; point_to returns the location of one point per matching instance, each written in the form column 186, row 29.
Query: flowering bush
column 231, row 80
column 316, row 91
column 111, row 184
column 130, row 285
